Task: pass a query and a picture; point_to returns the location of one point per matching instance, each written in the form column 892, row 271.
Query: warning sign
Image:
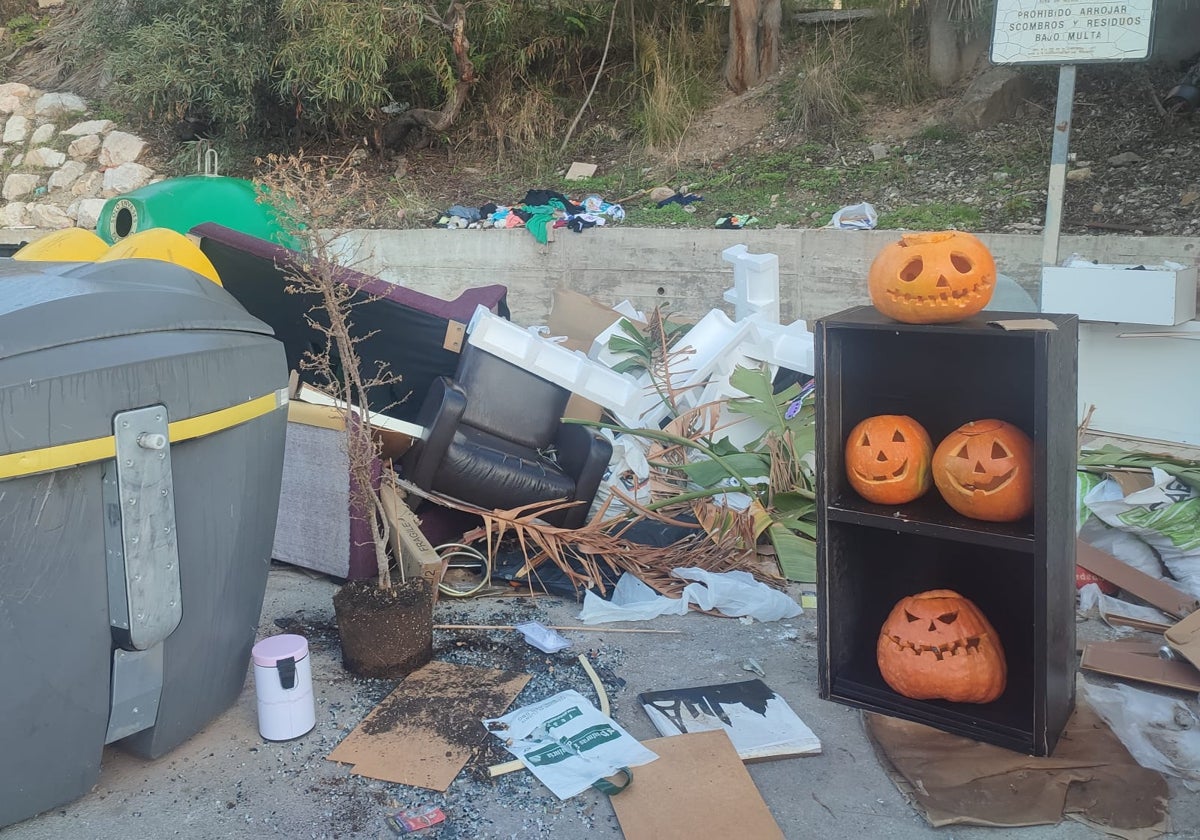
column 1070, row 31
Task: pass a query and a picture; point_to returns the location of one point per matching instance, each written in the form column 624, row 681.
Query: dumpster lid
column 270, row 650
column 44, row 305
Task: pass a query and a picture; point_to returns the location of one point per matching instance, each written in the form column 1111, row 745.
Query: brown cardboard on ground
column 1090, row 778
column 1184, row 637
column 1139, row 661
column 423, row 733
column 1157, row 592
column 579, row 319
column 413, row 551
column 698, row 787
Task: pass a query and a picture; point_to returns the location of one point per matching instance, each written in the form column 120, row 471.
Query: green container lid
column 180, row 204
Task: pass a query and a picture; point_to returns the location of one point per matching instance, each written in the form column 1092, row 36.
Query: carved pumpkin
column 984, row 470
column 887, row 459
column 937, row 645
column 932, row 278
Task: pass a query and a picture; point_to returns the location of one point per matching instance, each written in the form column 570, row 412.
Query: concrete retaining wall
column 821, row 271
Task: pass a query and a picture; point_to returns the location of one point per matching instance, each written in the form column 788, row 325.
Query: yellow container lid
column 73, row 244
column 166, row 245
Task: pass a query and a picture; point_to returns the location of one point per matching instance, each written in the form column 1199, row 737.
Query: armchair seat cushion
column 495, row 473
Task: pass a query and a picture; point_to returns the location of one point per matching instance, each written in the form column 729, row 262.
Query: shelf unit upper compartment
column 941, row 375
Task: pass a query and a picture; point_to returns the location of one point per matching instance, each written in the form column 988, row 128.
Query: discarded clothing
column 684, row 200
column 735, row 221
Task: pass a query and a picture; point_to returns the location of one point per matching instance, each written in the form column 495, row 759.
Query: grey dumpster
column 142, row 418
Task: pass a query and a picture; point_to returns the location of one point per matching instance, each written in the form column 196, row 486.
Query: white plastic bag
column 855, row 217
column 734, row 594
column 1165, row 515
column 1161, row 733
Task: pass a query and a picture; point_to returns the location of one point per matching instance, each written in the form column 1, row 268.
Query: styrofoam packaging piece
column 713, row 337
column 1161, row 295
column 501, row 337
column 755, row 289
column 551, row 361
column 792, row 347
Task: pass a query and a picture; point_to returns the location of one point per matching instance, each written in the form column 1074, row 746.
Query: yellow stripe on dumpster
column 52, row 458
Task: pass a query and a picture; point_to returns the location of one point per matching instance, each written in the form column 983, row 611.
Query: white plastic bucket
column 283, row 684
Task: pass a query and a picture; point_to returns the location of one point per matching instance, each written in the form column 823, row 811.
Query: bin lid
column 50, row 304
column 162, row 244
column 270, row 650
column 74, row 243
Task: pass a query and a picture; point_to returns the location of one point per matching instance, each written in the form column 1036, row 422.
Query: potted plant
column 386, row 624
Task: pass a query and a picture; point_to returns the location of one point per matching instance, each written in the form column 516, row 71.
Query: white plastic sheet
column 1161, row 733
column 734, row 594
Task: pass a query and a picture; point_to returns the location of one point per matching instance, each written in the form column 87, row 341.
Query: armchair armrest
column 439, row 416
column 583, row 454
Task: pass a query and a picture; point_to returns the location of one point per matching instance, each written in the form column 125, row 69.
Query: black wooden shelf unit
column 1020, row 574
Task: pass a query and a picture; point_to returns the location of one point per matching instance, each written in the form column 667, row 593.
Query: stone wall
column 59, row 164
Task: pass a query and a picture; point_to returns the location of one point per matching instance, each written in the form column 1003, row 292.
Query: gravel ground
column 227, row 782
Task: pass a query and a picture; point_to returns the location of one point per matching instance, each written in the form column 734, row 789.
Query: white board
column 1070, row 31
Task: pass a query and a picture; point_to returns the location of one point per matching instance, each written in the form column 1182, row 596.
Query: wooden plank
column 1150, row 589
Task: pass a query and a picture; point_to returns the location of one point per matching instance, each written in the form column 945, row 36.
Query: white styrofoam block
column 1157, row 295
column 790, row 346
column 502, row 338
column 755, row 289
column 552, row 361
column 712, row 337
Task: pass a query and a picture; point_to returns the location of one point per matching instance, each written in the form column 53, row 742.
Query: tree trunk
column 754, row 32
column 398, row 132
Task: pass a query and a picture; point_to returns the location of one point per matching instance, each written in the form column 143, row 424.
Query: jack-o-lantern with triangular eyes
column 937, row 645
column 984, row 470
column 887, row 459
column 932, row 278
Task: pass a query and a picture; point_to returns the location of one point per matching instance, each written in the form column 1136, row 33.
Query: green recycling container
column 182, row 203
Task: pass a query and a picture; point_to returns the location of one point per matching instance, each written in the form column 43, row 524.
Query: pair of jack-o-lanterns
column 938, row 645
column 932, row 278
column 983, row 469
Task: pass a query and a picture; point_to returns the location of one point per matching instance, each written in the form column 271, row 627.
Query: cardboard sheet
column 1139, row 661
column 1090, row 778
column 697, row 788
column 1184, row 637
column 424, row 732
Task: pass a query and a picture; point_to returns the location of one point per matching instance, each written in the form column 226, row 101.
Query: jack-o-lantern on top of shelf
column 984, row 470
column 938, row 645
column 887, row 459
column 932, row 278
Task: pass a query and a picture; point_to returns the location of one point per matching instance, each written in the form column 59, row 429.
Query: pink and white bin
column 283, row 684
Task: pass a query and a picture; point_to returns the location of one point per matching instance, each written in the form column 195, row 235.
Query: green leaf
column 797, row 556
column 744, row 464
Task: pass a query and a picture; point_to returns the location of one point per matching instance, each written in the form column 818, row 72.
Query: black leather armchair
column 494, row 437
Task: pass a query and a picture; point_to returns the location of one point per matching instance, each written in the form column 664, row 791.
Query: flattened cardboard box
column 425, row 731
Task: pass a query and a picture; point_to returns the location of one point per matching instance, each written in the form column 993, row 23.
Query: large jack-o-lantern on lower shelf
column 937, row 645
column 932, row 278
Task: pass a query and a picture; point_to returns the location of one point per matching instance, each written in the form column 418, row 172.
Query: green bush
column 334, row 57
column 210, row 58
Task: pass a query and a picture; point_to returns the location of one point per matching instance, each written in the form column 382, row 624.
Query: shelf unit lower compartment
column 870, row 569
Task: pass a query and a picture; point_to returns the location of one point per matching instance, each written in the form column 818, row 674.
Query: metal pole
column 1058, row 164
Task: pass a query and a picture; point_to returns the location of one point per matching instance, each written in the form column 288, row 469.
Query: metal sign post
column 1067, row 32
